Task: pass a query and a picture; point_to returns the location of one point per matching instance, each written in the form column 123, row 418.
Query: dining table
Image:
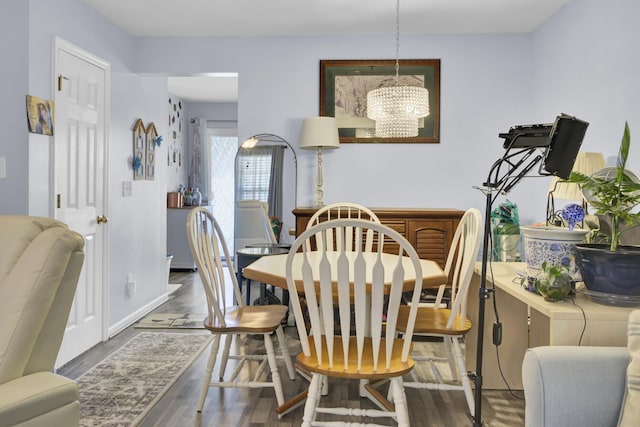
column 272, row 270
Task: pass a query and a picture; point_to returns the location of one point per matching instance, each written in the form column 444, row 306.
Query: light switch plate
column 126, row 189
column 3, row 167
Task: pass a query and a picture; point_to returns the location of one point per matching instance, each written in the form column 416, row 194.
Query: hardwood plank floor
column 256, row 407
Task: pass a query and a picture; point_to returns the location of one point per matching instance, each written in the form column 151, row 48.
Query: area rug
column 122, row 389
column 171, row 321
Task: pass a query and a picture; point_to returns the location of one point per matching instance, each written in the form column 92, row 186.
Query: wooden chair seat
column 433, row 321
column 368, row 370
column 248, row 319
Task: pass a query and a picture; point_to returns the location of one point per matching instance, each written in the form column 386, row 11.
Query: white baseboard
column 138, row 314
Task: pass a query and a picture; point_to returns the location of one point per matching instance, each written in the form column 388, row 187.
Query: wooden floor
column 241, row 407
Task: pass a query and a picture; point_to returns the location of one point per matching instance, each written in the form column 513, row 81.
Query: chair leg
column 400, row 402
column 273, row 365
column 450, row 357
column 206, row 381
column 225, row 354
column 313, row 398
column 284, row 350
column 464, row 377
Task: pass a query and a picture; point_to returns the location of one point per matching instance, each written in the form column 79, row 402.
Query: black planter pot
column 607, row 272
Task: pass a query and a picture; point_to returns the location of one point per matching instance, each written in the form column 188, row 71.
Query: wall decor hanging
column 152, row 143
column 40, row 115
column 344, row 85
column 139, row 150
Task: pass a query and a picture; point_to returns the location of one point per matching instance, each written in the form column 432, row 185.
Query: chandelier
column 397, row 109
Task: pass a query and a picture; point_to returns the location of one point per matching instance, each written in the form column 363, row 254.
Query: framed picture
column 151, row 134
column 40, row 115
column 139, row 151
column 344, row 85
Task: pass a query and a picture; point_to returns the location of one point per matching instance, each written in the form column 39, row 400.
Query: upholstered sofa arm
column 40, row 399
column 574, row 386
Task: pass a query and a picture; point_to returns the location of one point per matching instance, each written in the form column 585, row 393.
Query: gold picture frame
column 344, row 85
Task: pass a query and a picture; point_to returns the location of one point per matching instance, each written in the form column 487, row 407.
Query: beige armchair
column 40, row 262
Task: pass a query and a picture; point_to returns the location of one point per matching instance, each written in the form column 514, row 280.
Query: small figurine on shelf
column 572, row 214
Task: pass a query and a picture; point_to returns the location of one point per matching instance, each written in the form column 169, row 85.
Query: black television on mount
column 561, row 142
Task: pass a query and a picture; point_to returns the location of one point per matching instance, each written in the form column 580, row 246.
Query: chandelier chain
column 397, row 42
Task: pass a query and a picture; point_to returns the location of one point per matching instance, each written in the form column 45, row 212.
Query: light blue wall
column 589, row 65
column 14, row 85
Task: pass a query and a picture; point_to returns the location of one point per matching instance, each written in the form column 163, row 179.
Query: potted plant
column 554, row 282
column 612, row 268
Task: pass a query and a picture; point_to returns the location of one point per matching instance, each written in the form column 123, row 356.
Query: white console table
column 530, row 321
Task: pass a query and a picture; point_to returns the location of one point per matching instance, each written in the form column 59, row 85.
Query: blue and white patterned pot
column 554, row 245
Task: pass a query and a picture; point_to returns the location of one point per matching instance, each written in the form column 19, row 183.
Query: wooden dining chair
column 344, row 210
column 207, row 244
column 356, row 344
column 450, row 324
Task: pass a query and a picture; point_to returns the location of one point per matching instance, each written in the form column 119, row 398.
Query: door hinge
column 60, row 78
column 58, row 201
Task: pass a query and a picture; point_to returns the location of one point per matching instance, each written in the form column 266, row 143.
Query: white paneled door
column 80, row 194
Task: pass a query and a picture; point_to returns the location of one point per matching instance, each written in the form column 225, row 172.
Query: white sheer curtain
column 200, row 165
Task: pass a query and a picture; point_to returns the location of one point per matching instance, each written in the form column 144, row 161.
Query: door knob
column 102, row 219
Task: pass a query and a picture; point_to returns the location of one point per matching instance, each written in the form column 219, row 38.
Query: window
column 254, row 174
column 259, row 176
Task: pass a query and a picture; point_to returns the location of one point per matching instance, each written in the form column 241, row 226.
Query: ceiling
column 210, row 18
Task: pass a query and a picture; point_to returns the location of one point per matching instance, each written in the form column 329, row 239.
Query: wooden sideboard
column 429, row 230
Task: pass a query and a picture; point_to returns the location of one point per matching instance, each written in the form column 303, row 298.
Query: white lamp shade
column 586, row 163
column 319, row 132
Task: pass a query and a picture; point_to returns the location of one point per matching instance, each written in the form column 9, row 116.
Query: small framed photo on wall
column 40, row 115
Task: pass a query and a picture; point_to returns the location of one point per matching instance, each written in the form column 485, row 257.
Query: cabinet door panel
column 398, row 225
column 431, row 239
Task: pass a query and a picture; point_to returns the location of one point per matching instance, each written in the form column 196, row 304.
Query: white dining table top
column 271, row 270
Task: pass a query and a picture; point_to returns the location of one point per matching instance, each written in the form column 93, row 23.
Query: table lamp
column 586, row 163
column 318, row 133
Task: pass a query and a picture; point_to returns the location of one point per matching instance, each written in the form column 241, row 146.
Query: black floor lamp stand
column 517, row 165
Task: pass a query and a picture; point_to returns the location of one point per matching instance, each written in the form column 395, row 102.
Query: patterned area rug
column 122, row 389
column 171, row 321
